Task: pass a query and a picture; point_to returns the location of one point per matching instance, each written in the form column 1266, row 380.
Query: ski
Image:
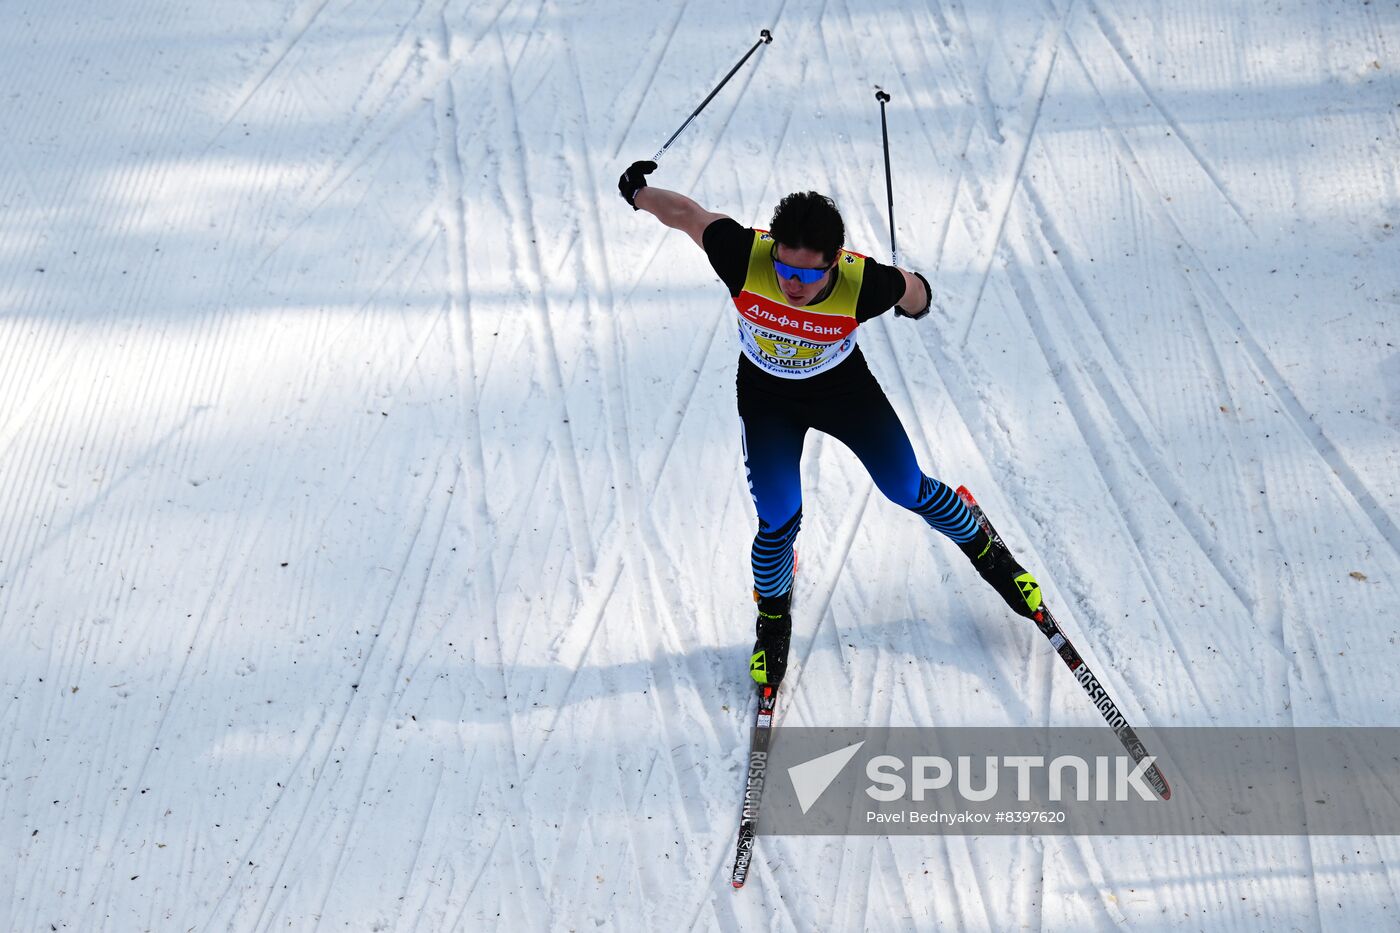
column 753, row 785
column 1045, row 621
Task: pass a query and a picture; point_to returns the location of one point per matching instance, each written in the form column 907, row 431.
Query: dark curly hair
column 808, row 220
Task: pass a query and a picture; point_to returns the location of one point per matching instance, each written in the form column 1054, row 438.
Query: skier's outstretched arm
column 674, row 210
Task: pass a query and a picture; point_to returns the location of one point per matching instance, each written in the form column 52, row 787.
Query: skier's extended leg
column 869, row 426
column 772, row 456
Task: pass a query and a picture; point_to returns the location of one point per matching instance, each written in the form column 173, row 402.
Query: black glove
column 915, row 315
column 634, row 180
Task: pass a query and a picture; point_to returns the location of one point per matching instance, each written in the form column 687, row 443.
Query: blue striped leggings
column 859, row 416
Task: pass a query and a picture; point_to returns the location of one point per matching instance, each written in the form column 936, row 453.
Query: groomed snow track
column 373, row 528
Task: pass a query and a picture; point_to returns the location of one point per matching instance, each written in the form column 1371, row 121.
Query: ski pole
column 764, row 37
column 883, row 98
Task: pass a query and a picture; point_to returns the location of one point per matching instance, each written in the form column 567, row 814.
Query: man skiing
column 800, row 297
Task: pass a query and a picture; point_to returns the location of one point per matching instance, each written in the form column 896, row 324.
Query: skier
column 800, row 297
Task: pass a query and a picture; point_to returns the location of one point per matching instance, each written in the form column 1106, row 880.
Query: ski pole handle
column 764, row 37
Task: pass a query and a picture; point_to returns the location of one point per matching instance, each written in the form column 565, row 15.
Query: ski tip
column 965, row 495
column 737, row 884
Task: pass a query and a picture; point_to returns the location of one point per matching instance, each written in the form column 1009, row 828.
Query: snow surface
column 374, row 550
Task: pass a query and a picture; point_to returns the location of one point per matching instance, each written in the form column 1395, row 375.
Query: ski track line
column 850, row 908
column 255, row 841
column 1204, row 284
column 1131, row 429
column 596, row 595
column 1096, row 435
column 650, row 80
column 912, row 899
column 611, row 342
column 399, row 680
column 229, row 582
column 986, row 917
column 845, row 540
column 55, row 431
column 966, row 125
column 609, row 570
column 509, row 531
column 940, row 22
column 974, row 72
column 1120, row 49
column 1007, row 196
column 642, row 879
column 473, row 794
column 364, row 146
column 1079, row 851
column 1033, row 852
column 41, row 389
column 321, row 785
column 669, row 428
column 1302, row 419
column 529, row 34
column 542, row 329
column 453, row 218
column 354, row 468
column 956, row 394
column 414, row 871
column 477, row 879
column 1275, row 609
column 966, row 121
column 387, row 701
column 301, row 21
column 1278, row 612
column 422, row 248
column 643, row 568
column 469, row 414
column 131, row 469
column 237, row 559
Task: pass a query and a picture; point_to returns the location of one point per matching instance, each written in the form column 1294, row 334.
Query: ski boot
column 996, row 565
column 774, row 629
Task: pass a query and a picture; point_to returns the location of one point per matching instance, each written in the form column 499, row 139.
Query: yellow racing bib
column 792, row 342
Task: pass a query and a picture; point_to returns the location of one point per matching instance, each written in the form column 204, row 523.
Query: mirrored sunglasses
column 805, row 276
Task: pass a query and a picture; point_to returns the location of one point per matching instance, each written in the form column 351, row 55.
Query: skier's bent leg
column 944, row 511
